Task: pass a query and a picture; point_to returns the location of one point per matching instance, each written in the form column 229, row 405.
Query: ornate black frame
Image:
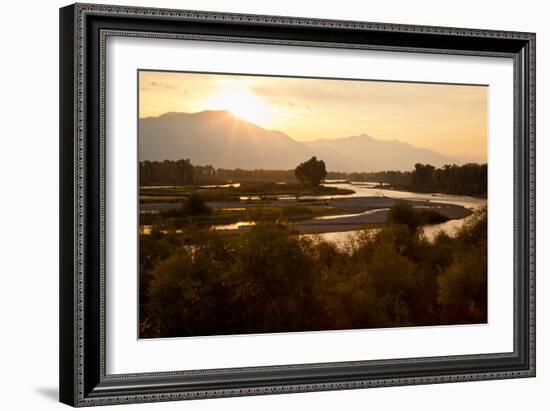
column 83, row 30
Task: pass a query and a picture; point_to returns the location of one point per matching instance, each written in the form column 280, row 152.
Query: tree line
column 167, row 172
column 468, row 179
column 183, row 172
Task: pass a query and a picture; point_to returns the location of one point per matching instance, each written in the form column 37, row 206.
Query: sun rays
column 235, row 97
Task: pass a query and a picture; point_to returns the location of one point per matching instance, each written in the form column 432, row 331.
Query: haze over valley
column 219, row 138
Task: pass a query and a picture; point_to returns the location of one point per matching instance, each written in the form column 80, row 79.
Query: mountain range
column 224, row 141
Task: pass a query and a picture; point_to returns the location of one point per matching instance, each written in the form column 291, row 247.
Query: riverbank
column 365, row 205
column 332, row 215
column 371, row 211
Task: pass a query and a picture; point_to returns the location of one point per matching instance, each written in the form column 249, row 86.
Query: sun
column 242, row 103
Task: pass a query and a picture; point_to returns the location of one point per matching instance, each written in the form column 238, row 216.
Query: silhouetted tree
column 312, row 172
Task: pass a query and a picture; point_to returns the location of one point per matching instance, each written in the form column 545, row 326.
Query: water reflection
column 148, row 229
column 338, row 216
column 234, row 226
column 343, row 238
column 233, row 185
column 371, row 189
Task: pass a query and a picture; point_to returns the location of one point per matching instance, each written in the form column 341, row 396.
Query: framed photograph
column 261, row 204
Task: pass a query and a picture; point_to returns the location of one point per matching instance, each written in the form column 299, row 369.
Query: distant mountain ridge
column 220, row 139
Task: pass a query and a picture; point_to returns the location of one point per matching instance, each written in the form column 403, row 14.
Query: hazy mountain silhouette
column 377, row 155
column 222, row 140
column 217, row 138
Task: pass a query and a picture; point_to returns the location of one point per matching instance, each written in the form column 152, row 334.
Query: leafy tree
column 311, row 172
column 188, row 290
column 423, row 175
column 273, row 279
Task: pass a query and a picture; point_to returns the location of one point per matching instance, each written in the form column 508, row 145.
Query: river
column 376, row 194
column 368, row 189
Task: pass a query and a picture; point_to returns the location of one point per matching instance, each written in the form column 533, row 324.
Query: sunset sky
column 450, row 119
